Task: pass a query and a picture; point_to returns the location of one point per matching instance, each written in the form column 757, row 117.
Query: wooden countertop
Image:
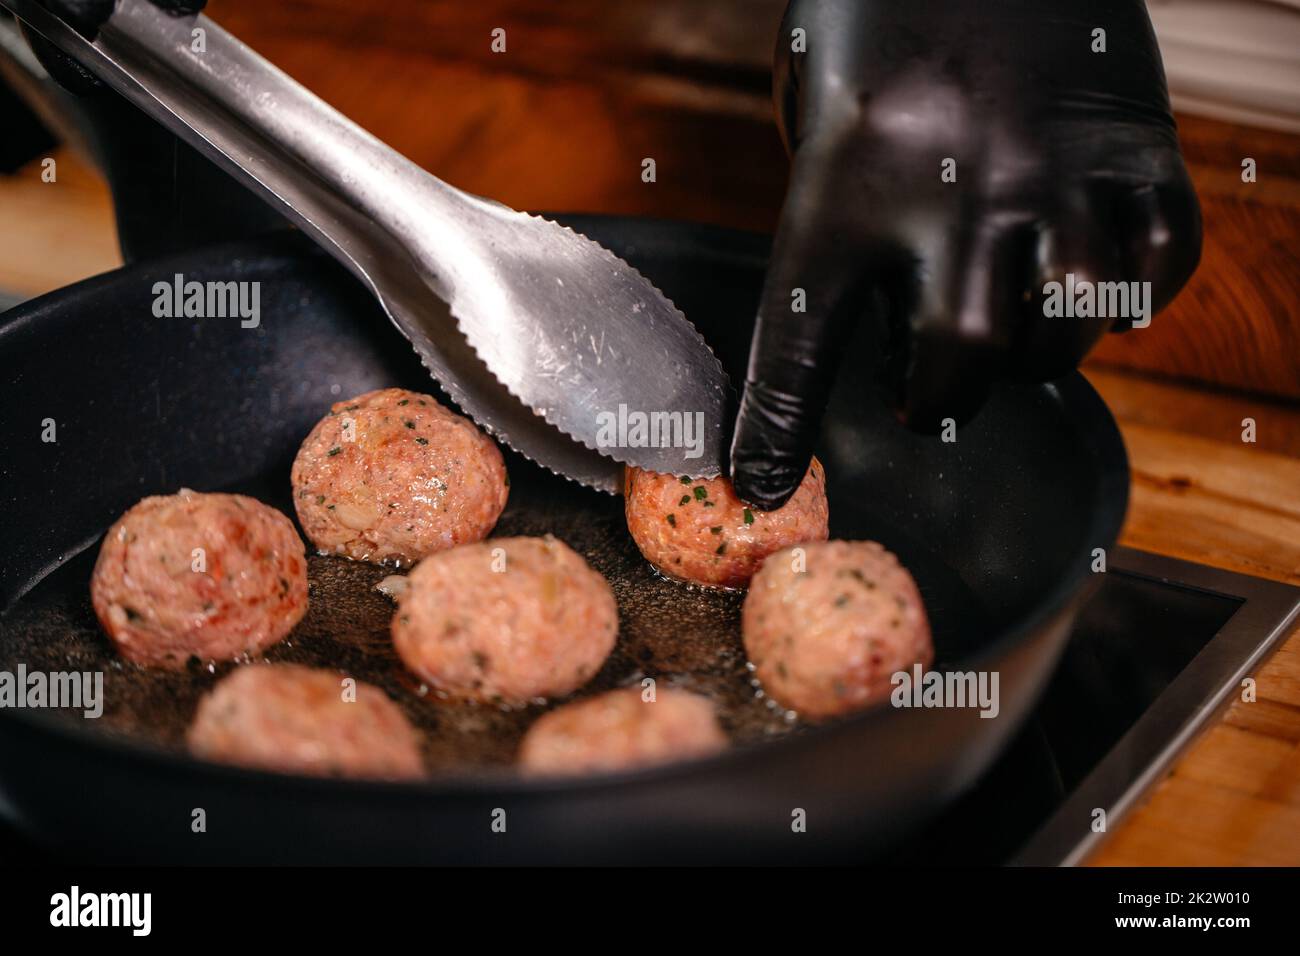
column 1200, row 493
column 538, row 134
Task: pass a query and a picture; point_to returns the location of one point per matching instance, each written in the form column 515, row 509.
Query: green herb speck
column 422, row 441
column 749, row 516
column 671, row 519
column 334, row 451
column 686, row 500
column 701, row 492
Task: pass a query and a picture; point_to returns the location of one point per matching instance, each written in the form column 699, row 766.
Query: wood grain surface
column 587, row 89
column 1200, row 493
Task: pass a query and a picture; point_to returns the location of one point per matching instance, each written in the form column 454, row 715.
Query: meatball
column 827, row 630
column 206, row 576
column 505, row 621
column 295, row 719
column 697, row 530
column 618, row 730
column 391, row 476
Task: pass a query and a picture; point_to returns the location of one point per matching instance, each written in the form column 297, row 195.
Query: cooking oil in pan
column 679, row 635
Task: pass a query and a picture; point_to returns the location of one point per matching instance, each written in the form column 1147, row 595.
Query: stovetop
column 1158, row 649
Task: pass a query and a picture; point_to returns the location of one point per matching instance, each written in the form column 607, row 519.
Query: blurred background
column 586, row 89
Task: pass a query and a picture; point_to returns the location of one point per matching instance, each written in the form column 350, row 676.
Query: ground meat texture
column 826, row 640
column 294, row 719
column 391, row 476
column 620, row 729
column 505, row 621
column 206, row 576
column 697, row 530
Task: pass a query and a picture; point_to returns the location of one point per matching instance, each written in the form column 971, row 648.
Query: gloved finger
column 1080, row 288
column 815, row 285
column 968, row 295
column 1159, row 236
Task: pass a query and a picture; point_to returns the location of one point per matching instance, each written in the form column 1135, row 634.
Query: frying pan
column 998, row 528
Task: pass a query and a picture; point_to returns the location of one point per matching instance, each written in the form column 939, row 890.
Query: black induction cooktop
column 1159, row 647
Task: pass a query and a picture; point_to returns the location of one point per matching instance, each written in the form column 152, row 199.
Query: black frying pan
column 998, row 528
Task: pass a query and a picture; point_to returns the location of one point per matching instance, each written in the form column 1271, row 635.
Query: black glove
column 1066, row 161
column 86, row 17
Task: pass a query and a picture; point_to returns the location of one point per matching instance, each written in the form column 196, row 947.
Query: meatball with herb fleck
column 505, row 621
column 827, row 630
column 697, row 530
column 188, row 576
column 392, row 476
column 619, row 730
column 293, row 719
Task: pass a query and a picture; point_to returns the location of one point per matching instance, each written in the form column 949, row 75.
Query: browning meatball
column 505, row 621
column 206, row 576
column 698, row 530
column 618, row 730
column 294, row 719
column 826, row 640
column 391, row 476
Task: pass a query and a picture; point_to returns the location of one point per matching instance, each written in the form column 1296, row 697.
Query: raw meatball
column 698, row 530
column 826, row 640
column 618, row 730
column 207, row 576
column 295, row 719
column 505, row 621
column 392, row 476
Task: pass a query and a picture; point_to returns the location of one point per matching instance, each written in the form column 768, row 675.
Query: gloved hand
column 1066, row 161
column 86, row 17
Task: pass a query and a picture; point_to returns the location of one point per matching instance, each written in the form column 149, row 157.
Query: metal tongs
column 541, row 335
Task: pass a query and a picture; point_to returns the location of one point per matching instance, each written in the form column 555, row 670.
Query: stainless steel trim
column 1146, row 752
